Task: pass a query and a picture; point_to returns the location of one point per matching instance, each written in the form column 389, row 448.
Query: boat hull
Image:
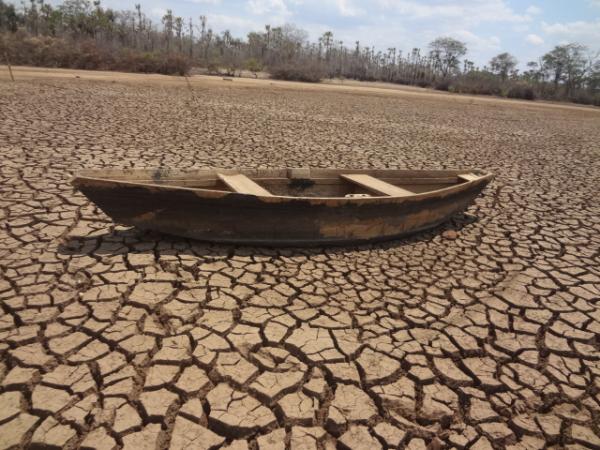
column 275, row 221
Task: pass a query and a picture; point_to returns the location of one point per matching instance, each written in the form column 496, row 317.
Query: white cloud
column 273, row 12
column 468, row 11
column 534, row 10
column 534, row 39
column 158, row 12
column 235, row 24
column 346, row 9
column 266, row 7
column 521, row 27
column 477, row 43
column 587, row 33
column 595, row 3
column 415, row 10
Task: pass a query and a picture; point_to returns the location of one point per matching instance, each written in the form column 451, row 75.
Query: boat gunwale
column 315, row 172
column 214, row 193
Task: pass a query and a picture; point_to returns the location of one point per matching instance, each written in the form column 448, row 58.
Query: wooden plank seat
column 243, row 185
column 468, row 177
column 376, row 185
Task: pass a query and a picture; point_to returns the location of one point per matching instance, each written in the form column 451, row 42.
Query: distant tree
column 138, row 9
column 32, row 17
column 327, row 42
column 468, row 66
column 594, row 76
column 256, row 44
column 168, row 22
column 75, row 16
column 178, row 25
column 191, row 38
column 9, row 19
column 503, row 64
column 207, row 44
column 533, row 74
column 267, row 39
column 566, row 63
column 447, row 53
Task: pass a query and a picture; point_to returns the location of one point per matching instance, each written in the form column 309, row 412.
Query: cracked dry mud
column 483, row 333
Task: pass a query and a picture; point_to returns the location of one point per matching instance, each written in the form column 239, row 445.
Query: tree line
column 84, row 34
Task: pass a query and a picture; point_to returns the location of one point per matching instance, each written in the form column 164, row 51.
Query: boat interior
column 299, row 182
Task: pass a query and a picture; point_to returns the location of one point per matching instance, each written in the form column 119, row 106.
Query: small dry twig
column 12, row 77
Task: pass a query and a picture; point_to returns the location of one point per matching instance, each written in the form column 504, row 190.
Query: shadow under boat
column 120, row 241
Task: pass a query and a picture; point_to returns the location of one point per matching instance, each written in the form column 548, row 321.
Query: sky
column 525, row 28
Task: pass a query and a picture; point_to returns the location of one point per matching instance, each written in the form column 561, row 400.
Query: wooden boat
column 291, row 207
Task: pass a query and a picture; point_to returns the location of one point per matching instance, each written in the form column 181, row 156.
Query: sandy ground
column 109, row 337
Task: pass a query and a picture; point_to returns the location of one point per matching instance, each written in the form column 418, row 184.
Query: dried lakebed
column 481, row 334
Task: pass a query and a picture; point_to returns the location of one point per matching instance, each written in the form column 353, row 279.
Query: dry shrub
column 87, row 55
column 253, row 65
column 147, row 62
column 424, row 83
column 213, row 68
column 522, row 91
column 585, row 98
column 477, row 82
column 48, row 51
column 442, row 85
column 309, row 71
column 175, row 64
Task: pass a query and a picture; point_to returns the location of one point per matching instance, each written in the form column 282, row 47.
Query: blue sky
column 525, row 28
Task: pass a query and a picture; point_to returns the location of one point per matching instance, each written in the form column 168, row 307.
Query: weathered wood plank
column 244, row 185
column 468, row 176
column 377, row 186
